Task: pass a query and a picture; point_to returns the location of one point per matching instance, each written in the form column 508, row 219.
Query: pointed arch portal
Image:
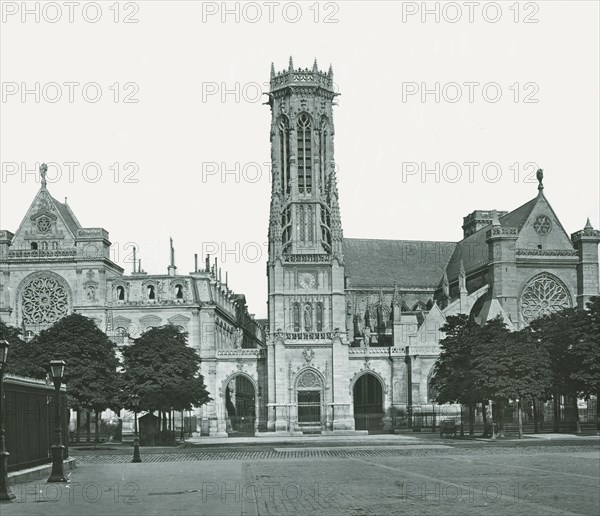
column 240, row 402
column 368, row 403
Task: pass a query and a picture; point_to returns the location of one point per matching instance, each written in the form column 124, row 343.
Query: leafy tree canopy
column 164, row 371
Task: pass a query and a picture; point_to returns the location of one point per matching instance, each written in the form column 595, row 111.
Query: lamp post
column 135, row 401
column 57, row 371
column 6, row 495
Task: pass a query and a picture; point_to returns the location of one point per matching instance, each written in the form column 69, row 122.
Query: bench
column 447, row 427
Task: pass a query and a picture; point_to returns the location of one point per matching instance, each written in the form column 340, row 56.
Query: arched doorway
column 368, row 404
column 309, row 397
column 240, row 402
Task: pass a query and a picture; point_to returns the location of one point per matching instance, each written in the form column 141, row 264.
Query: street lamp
column 135, row 401
column 408, row 362
column 6, row 495
column 57, row 371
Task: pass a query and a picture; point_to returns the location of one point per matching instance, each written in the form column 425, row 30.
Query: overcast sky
column 192, row 160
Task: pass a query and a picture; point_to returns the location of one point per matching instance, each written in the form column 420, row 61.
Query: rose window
column 44, row 225
column 544, row 295
column 44, row 300
column 542, row 225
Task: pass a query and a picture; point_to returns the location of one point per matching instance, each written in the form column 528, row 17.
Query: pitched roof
column 473, row 250
column 67, row 215
column 410, row 263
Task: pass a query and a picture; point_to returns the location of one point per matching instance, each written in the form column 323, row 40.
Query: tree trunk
column 501, row 418
column 471, row 418
column 576, row 415
column 77, row 425
column 520, row 418
column 494, row 417
column 485, row 421
column 535, row 416
column 598, row 411
column 97, row 428
column 88, row 429
column 556, row 402
column 160, row 427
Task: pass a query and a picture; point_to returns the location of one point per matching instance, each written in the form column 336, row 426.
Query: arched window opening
column 302, row 223
column 34, row 245
column 120, row 293
column 319, row 316
column 45, row 246
column 286, row 225
column 54, row 245
column 296, row 316
column 151, row 293
column 304, row 154
column 121, row 335
column 284, row 154
column 323, row 135
column 178, row 292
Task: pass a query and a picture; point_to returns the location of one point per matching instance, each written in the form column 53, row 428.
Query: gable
column 542, row 228
column 48, row 223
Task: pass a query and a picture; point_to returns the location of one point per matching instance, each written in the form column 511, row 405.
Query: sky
column 150, row 115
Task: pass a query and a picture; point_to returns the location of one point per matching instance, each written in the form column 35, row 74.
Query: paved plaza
column 360, row 476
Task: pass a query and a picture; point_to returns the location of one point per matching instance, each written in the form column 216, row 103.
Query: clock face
column 307, row 280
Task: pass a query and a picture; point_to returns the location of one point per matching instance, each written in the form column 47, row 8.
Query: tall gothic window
column 296, row 316
column 120, row 293
column 319, row 317
column 323, row 134
column 284, row 154
column 302, row 223
column 308, row 317
column 151, row 293
column 286, row 227
column 304, row 154
column 325, row 228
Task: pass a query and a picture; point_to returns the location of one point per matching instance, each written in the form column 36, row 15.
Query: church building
column 353, row 325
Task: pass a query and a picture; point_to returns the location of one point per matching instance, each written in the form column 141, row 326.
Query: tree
column 163, row 371
column 510, row 366
column 91, row 363
column 571, row 339
column 20, row 353
column 452, row 379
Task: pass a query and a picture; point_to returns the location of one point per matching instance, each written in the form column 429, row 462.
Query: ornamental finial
column 315, row 66
column 291, row 65
column 43, row 172
column 540, row 177
column 272, row 70
column 588, row 224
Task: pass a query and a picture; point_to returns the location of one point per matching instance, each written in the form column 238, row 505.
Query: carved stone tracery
column 44, row 300
column 544, row 295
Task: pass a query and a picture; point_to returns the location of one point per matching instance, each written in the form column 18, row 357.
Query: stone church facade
column 353, row 325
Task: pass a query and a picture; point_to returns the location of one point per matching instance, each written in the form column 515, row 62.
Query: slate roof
column 473, row 250
column 410, row 263
column 67, row 215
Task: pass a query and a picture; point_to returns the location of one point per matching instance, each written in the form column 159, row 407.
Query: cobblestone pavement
column 322, row 452
column 416, row 478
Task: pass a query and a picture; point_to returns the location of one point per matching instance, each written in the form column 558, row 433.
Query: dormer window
column 120, row 293
column 178, row 292
column 151, row 293
column 34, row 245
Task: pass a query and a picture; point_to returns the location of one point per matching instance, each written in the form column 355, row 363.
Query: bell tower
column 305, row 270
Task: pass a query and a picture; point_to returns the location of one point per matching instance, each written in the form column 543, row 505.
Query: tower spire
column 172, row 269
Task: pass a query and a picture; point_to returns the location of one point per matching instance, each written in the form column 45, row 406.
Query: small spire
column 43, row 172
column 67, row 199
column 588, row 224
column 272, row 70
column 331, row 70
column 396, row 296
column 540, row 177
column 291, row 65
column 315, row 66
column 134, row 260
column 461, row 271
column 445, row 281
column 172, row 250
